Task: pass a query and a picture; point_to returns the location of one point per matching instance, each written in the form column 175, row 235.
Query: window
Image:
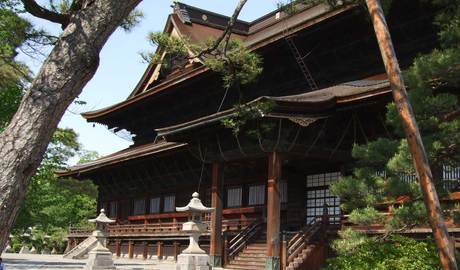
column 113, row 211
column 256, row 195
column 169, row 203
column 283, row 192
column 139, row 207
column 318, row 194
column 154, row 205
column 234, row 196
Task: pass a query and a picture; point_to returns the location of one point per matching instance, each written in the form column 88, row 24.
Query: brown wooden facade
column 270, row 187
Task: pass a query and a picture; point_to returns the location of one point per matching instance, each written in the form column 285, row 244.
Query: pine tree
column 383, row 167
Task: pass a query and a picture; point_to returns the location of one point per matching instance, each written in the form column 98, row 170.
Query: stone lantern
column 193, row 257
column 100, row 257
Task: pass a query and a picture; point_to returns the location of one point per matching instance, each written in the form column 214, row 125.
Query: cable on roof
column 317, row 137
column 345, row 131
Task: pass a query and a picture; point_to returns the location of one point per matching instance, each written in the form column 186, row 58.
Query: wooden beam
column 273, row 211
column 216, row 216
column 443, row 241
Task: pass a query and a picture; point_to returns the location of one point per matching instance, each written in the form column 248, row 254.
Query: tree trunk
column 430, row 196
column 70, row 65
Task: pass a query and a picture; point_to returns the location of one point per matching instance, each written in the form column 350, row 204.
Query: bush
column 411, row 214
column 365, row 216
column 397, row 253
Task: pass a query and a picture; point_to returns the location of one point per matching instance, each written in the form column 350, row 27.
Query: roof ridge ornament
column 181, row 12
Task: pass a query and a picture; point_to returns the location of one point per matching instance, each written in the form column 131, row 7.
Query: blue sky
column 121, row 66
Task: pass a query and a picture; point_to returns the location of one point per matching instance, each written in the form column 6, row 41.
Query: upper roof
column 199, row 25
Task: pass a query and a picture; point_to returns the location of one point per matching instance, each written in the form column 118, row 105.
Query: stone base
column 24, row 250
column 193, row 262
column 216, row 261
column 100, row 260
column 273, row 263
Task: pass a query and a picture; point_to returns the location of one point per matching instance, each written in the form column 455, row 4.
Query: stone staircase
column 252, row 257
column 82, row 249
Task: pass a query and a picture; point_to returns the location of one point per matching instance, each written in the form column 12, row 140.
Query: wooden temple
column 270, row 187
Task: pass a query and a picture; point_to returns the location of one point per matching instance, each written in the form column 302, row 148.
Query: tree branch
column 227, row 32
column 38, row 11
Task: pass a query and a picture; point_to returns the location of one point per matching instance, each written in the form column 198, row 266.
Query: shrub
column 397, row 253
column 365, row 216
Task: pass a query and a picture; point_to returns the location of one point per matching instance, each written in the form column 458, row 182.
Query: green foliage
column 9, row 102
column 408, row 215
column 396, row 253
column 52, row 204
column 233, row 60
column 132, row 20
column 353, row 193
column 365, row 216
column 238, row 65
column 40, row 239
column 375, row 153
column 247, row 112
column 432, row 80
column 349, row 241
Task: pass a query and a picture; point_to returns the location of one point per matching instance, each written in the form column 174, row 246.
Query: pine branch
column 36, row 10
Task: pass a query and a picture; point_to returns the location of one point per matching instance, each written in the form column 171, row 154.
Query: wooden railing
column 157, row 228
column 299, row 240
column 236, row 224
column 132, row 229
column 152, row 228
column 233, row 246
column 80, row 232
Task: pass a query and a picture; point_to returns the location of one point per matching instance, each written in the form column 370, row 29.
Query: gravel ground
column 15, row 261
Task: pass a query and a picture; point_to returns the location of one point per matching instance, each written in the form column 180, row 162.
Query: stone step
column 249, row 253
column 246, row 267
column 252, row 247
column 252, row 255
column 251, row 259
column 254, row 263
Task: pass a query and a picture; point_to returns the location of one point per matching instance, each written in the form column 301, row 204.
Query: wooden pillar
column 130, row 249
column 176, row 250
column 284, row 252
column 216, row 216
column 159, row 250
column 273, row 211
column 225, row 255
column 145, row 252
column 118, row 248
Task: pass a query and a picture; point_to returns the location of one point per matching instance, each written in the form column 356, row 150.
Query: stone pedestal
column 272, row 263
column 193, row 262
column 8, row 249
column 24, row 250
column 100, row 258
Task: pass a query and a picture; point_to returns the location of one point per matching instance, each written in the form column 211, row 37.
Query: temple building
column 269, row 184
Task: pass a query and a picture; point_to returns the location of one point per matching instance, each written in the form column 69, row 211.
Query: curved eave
column 262, row 38
column 128, row 154
column 325, row 99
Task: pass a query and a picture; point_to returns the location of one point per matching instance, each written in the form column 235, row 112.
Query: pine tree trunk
column 70, row 65
column 416, row 148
